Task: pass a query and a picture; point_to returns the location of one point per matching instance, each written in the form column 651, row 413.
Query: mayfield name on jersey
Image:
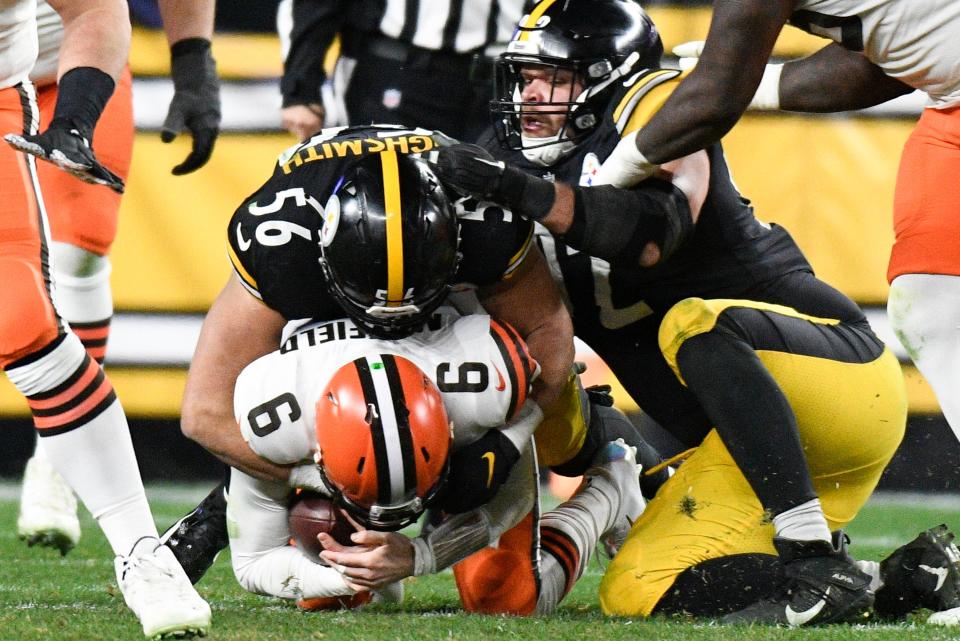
column 481, row 367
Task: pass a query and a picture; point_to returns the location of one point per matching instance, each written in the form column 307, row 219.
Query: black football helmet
column 600, row 41
column 389, row 243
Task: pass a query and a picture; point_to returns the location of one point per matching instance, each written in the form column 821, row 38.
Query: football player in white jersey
column 74, row 407
column 374, row 419
column 882, row 49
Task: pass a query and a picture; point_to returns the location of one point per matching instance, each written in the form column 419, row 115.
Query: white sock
column 87, row 440
column 81, row 291
column 924, row 311
column 804, row 522
column 568, row 536
column 873, row 569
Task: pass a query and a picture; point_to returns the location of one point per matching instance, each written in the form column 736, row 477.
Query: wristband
column 527, row 195
column 625, row 166
column 767, row 96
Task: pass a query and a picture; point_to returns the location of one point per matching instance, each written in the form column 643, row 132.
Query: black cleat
column 199, row 536
column 821, row 585
column 924, row 573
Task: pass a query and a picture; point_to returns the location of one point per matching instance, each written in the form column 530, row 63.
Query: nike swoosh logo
column 800, row 618
column 243, row 244
column 501, row 384
column 490, row 458
column 940, row 572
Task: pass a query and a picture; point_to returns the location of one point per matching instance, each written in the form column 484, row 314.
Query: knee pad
column 81, row 283
column 28, row 321
column 497, row 581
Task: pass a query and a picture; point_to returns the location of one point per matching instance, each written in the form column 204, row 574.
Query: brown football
column 312, row 513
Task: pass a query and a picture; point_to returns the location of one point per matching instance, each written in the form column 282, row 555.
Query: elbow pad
column 615, row 224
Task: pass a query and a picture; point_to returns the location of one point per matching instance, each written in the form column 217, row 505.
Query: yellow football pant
column 851, row 418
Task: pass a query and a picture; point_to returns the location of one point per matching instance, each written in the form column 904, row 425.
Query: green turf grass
column 44, row 596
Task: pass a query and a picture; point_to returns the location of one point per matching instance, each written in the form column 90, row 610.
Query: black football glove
column 600, row 395
column 477, row 471
column 65, row 147
column 471, row 170
column 196, row 101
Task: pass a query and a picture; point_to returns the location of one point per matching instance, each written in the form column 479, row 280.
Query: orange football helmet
column 382, row 440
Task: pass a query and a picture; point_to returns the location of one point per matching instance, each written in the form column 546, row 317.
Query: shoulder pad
column 646, row 93
column 493, row 240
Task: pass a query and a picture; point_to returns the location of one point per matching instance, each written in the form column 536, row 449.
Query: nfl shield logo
column 391, row 98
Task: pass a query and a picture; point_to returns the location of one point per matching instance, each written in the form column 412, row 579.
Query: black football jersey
column 273, row 238
column 729, row 251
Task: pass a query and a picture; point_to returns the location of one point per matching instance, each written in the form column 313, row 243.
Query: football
column 309, row 515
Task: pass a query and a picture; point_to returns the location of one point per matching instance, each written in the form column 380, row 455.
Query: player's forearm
column 96, row 34
column 835, row 79
column 708, row 103
column 184, row 19
column 220, row 436
column 263, row 560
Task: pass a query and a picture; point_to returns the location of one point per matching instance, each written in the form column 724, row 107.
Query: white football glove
column 688, row 53
column 767, row 96
column 625, row 166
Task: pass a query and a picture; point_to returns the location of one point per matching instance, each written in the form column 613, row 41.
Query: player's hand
column 302, row 120
column 196, row 101
column 470, row 170
column 688, row 53
column 625, row 166
column 375, row 561
column 68, row 150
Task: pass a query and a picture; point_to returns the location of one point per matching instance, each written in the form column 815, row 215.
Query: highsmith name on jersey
column 478, row 365
column 274, row 236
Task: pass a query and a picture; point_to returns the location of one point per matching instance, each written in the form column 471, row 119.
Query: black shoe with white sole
column 199, row 536
column 821, row 585
column 924, row 573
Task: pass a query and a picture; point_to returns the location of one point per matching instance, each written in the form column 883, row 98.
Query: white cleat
column 158, row 591
column 48, row 508
column 946, row 617
column 617, row 463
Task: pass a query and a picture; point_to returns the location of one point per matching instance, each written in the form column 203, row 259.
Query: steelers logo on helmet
column 581, row 48
column 383, row 439
column 331, row 220
column 393, row 253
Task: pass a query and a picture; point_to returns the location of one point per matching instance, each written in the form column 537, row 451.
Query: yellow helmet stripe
column 391, row 201
column 531, row 20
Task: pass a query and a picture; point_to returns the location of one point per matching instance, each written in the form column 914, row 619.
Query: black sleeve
column 493, row 242
column 275, row 255
column 315, row 24
column 615, row 224
column 475, row 475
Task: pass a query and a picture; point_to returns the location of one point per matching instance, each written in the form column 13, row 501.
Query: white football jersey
column 477, row 364
column 18, row 40
column 915, row 41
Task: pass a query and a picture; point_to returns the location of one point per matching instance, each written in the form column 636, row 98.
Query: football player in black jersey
column 712, row 320
column 351, row 223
